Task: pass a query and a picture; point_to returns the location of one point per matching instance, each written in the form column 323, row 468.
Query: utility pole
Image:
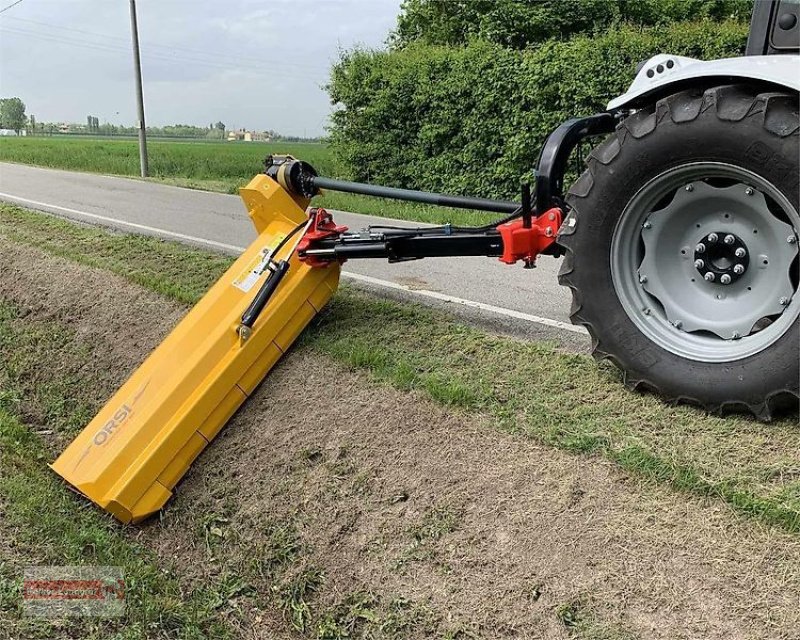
column 137, row 68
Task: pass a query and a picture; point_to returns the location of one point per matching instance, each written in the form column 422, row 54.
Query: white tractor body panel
column 663, row 70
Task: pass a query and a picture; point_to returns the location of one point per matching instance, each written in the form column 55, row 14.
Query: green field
column 213, row 166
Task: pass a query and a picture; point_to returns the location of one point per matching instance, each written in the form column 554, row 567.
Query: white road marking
column 519, row 315
column 435, row 295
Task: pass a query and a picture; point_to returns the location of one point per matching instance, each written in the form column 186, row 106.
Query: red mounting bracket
column 322, row 227
column 521, row 243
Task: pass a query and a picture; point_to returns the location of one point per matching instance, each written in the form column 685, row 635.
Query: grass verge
column 564, row 400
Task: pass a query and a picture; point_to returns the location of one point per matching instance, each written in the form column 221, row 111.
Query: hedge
column 471, row 119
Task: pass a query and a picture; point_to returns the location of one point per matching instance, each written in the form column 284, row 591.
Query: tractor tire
column 681, row 249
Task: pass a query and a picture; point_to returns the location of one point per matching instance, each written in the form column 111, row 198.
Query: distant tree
column 32, row 120
column 12, row 114
column 220, row 126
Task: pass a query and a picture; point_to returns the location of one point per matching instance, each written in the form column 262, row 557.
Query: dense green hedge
column 471, row 119
column 518, row 24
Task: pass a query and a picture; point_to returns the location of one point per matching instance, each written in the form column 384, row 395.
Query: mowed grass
column 560, row 399
column 215, row 166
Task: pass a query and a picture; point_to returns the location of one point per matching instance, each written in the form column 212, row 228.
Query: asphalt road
column 529, row 303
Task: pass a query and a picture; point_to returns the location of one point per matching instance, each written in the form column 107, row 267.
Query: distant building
column 243, row 135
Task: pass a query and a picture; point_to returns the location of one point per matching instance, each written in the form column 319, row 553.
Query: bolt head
column 678, row 324
column 552, row 216
column 690, row 187
column 749, row 191
column 712, row 237
column 549, row 232
column 738, row 269
column 783, row 301
column 736, row 335
column 710, row 277
column 729, row 239
column 642, row 279
column 647, row 224
column 700, row 248
column 740, row 252
column 791, row 239
column 725, row 278
column 647, row 312
column 699, row 264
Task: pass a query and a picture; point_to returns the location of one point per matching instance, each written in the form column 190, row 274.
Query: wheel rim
column 728, row 299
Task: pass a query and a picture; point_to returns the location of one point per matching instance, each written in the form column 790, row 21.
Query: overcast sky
column 258, row 64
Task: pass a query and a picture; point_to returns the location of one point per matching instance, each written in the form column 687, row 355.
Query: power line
column 159, row 56
column 13, row 4
column 213, row 54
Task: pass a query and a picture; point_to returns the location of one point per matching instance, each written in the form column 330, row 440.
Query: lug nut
column 700, row 248
column 749, row 191
column 725, row 278
column 690, row 187
column 738, row 269
column 710, row 277
column 712, row 237
column 699, row 264
column 740, row 252
column 784, row 301
column 729, row 239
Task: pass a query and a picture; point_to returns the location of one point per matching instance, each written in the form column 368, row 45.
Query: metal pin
column 690, row 187
column 738, row 269
column 642, row 279
column 749, row 191
column 700, row 248
column 736, row 335
column 710, row 277
column 712, row 237
column 729, row 239
column 725, row 279
column 647, row 224
column 791, row 239
column 783, row 301
column 740, row 252
column 699, row 264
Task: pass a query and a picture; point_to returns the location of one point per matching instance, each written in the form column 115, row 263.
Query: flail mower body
column 130, row 457
column 680, row 245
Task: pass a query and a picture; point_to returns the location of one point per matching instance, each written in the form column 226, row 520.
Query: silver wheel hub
column 704, row 268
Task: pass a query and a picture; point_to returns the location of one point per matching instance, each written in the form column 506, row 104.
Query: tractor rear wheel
column 681, row 248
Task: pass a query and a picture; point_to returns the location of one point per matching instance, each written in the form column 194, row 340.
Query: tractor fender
column 664, row 74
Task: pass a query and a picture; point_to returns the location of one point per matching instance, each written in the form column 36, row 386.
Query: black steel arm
column 442, row 200
column 399, row 246
column 556, row 151
column 411, row 244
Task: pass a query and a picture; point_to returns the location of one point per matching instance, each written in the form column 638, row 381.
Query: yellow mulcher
column 130, row 457
column 680, row 244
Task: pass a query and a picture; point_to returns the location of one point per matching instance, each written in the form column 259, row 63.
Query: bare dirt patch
column 382, row 498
